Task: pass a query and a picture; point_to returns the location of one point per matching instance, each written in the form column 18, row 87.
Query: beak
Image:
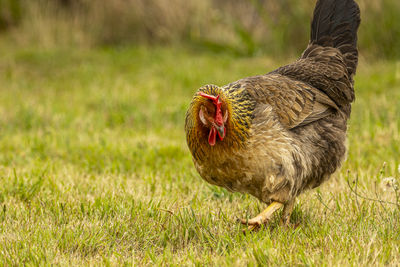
column 221, row 130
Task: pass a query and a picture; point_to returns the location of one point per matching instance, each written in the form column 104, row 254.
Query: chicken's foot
column 263, row 217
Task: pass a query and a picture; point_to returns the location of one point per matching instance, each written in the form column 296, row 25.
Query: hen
column 275, row 135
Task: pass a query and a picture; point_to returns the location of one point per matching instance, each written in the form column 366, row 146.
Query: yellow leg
column 263, row 217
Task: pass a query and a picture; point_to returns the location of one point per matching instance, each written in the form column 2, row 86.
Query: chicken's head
column 212, row 117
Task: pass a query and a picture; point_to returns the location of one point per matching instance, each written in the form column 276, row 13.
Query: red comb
column 215, row 99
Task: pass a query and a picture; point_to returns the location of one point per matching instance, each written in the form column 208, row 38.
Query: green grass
column 94, row 167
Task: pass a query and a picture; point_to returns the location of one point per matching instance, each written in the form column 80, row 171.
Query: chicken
column 275, row 135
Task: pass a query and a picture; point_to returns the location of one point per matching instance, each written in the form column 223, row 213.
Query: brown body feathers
column 285, row 130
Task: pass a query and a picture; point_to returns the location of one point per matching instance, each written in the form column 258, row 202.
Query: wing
column 323, row 68
column 295, row 103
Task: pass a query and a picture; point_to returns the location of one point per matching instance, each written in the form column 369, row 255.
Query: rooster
column 275, row 135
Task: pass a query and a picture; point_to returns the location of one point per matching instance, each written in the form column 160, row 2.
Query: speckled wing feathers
column 325, row 71
column 294, row 102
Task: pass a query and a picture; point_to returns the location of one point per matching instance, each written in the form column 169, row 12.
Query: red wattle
column 212, row 136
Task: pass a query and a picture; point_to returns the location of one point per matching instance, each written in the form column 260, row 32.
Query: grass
column 95, row 170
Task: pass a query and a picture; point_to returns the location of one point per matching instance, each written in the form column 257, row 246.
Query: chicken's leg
column 287, row 212
column 263, row 217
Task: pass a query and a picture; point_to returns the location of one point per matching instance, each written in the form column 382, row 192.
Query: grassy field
column 94, row 167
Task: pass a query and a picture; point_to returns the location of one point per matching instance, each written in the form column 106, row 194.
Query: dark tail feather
column 335, row 24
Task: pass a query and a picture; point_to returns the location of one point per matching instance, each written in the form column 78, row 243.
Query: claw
column 263, row 217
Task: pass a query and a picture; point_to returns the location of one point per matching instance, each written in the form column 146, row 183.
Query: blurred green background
column 244, row 27
column 94, row 167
